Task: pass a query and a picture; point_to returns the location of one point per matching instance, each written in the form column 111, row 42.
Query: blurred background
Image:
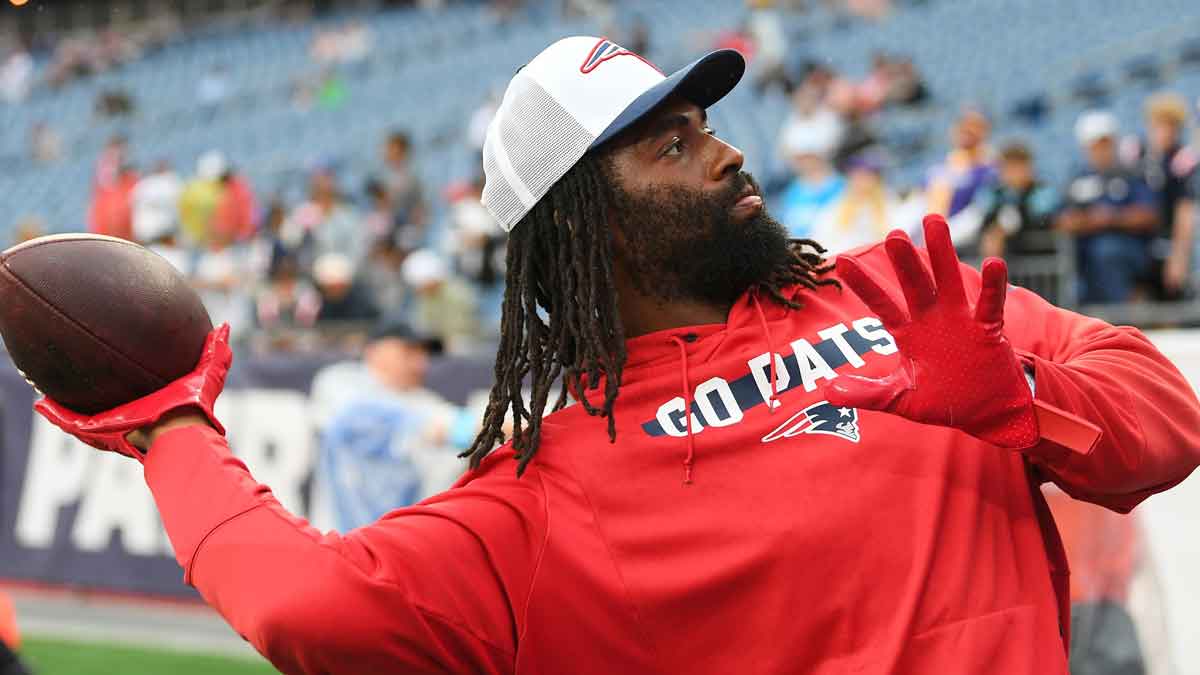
column 314, row 168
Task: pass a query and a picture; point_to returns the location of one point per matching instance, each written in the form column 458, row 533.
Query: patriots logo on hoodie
column 819, row 418
column 604, row 50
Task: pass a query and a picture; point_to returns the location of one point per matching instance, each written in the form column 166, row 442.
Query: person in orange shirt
column 112, row 206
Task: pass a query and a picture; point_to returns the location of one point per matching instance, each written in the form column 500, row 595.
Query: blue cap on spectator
column 395, row 328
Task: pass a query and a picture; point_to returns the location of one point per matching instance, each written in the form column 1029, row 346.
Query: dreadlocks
column 560, row 319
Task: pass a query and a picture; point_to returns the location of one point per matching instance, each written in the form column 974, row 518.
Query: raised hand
column 956, row 368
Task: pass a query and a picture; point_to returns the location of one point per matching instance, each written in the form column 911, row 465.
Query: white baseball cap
column 422, row 267
column 333, row 268
column 211, row 165
column 1094, row 125
column 575, row 95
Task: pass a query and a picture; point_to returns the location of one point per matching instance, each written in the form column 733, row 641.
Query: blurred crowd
column 342, row 257
column 1124, row 219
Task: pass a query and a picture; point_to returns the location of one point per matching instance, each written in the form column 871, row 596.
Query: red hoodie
column 811, row 539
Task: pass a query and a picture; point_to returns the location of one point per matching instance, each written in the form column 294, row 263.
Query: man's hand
column 130, row 428
column 1175, row 271
column 957, row 369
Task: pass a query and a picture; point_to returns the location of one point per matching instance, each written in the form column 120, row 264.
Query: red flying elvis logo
column 604, row 50
column 819, row 418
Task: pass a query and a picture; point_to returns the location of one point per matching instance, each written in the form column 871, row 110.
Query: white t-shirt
column 156, row 206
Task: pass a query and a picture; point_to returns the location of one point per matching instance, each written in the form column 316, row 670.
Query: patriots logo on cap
column 819, row 418
column 604, row 50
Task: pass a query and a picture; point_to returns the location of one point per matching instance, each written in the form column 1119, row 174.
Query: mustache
column 737, row 186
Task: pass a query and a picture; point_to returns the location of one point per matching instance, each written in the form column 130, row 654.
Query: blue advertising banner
column 73, row 516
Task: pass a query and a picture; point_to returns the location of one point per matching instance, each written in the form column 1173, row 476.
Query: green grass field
column 64, row 657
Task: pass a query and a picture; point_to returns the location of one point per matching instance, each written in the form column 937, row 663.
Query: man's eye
column 675, row 147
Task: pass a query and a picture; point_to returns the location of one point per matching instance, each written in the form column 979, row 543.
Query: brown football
column 94, row 322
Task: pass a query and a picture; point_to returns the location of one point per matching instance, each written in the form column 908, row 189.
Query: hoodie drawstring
column 762, row 319
column 690, row 460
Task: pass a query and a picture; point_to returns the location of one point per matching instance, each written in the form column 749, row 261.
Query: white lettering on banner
column 117, row 502
column 872, row 330
column 721, row 388
column 758, row 368
column 55, row 474
column 269, row 429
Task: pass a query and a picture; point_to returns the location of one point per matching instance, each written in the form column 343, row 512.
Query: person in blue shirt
column 1112, row 213
column 816, row 185
column 387, row 441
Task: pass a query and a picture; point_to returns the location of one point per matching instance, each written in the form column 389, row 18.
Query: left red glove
column 198, row 389
column 957, row 369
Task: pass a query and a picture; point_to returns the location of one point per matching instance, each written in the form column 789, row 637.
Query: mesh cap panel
column 534, row 142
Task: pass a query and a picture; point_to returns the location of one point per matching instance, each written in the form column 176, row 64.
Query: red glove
column 957, row 369
column 198, row 389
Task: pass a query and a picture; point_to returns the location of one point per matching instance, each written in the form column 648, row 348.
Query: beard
column 686, row 245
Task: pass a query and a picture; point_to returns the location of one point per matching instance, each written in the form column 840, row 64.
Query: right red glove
column 198, row 389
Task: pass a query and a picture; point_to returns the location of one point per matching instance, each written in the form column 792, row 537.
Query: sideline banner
column 75, row 517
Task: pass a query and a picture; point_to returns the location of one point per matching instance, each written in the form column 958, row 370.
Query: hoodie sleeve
column 425, row 589
column 1119, row 422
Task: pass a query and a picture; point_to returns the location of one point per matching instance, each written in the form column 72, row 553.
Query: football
column 94, row 322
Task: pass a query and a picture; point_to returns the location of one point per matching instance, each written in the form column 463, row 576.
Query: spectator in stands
column 165, row 242
column 818, row 82
column 1107, row 552
column 404, row 186
column 875, row 10
column 811, row 118
column 108, row 165
column 201, row 197
column 968, row 168
column 267, row 246
column 866, row 211
column 112, row 103
column 638, row 39
column 382, row 274
column 16, row 76
column 443, row 305
column 347, row 44
column 389, row 441
column 906, row 86
column 870, row 95
column 381, row 220
column 236, row 214
column 325, row 223
column 477, row 243
column 45, row 144
column 1111, row 212
column 332, row 91
column 220, row 275
column 286, row 300
column 111, row 212
column 816, row 184
column 344, row 298
column 156, row 203
column 1018, row 209
column 1168, row 165
column 764, row 27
